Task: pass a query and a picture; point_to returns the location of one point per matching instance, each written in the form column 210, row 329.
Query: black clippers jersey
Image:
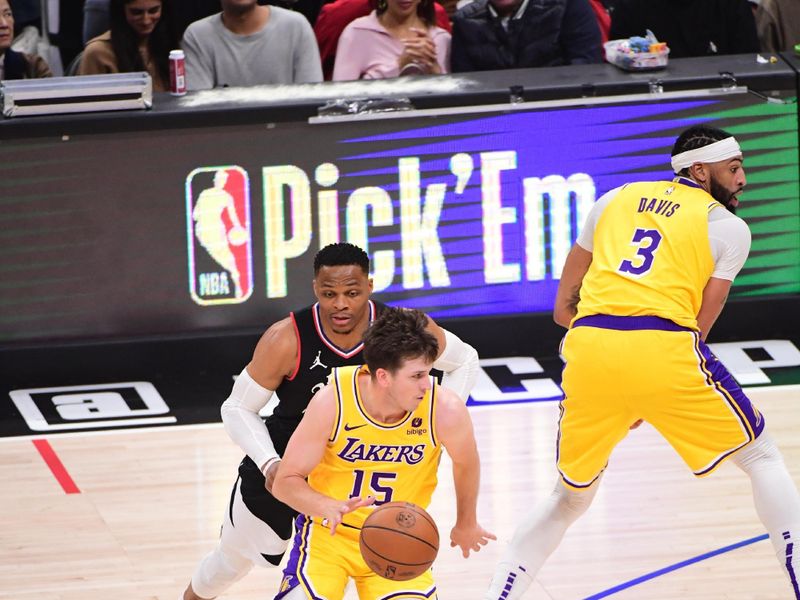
column 318, row 355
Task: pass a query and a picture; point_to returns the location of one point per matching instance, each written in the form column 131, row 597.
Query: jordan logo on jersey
column 317, row 362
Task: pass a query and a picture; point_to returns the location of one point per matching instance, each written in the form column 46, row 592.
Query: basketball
column 399, row 541
column 237, row 236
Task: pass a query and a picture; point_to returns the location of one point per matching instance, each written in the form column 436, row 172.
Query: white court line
column 199, row 426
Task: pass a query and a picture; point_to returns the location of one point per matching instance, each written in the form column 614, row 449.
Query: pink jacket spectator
column 335, row 16
column 367, row 51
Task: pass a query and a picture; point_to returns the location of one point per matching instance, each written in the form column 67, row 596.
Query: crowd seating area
column 232, row 43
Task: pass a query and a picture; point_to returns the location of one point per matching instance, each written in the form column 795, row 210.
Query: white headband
column 721, row 150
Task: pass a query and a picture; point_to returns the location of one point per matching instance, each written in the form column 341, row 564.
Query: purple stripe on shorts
column 718, row 376
column 629, row 323
column 292, row 570
column 724, row 380
column 561, row 411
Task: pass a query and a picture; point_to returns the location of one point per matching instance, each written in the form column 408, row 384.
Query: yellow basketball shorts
column 621, row 369
column 322, row 564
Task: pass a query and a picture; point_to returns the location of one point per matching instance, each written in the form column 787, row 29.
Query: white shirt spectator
column 284, row 51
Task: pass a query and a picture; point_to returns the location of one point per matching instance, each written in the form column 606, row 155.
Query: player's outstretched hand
column 336, row 509
column 470, row 538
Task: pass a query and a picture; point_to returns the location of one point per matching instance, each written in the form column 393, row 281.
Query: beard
column 723, row 195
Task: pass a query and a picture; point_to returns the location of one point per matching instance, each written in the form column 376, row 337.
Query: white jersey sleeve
column 730, row 243
column 586, row 236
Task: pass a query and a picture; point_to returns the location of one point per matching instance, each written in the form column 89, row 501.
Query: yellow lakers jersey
column 364, row 457
column 652, row 254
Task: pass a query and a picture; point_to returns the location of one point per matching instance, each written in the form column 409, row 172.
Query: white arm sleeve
column 730, row 243
column 586, row 236
column 459, row 362
column 242, row 423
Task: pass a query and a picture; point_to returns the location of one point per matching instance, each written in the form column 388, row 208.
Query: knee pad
column 759, row 453
column 573, row 503
column 220, row 569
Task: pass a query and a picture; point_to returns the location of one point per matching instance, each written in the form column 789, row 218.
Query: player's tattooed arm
column 574, row 298
column 714, row 296
column 569, row 288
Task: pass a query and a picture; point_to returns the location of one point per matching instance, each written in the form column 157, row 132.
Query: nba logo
column 219, row 235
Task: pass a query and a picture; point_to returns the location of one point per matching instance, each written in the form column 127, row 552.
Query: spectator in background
column 399, row 37
column 689, row 27
column 336, row 15
column 16, row 65
column 308, row 8
column 140, row 38
column 26, row 12
column 95, row 18
column 450, row 6
column 189, row 11
column 510, row 34
column 778, row 24
column 65, row 22
column 247, row 44
column 184, row 13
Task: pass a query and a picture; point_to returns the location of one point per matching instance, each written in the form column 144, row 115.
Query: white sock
column 777, row 502
column 535, row 539
column 510, row 582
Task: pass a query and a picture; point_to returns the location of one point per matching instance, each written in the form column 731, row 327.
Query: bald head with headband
column 712, row 158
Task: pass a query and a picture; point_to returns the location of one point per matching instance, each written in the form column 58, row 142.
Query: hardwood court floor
column 151, row 503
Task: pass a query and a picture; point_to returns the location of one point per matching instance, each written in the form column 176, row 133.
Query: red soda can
column 177, row 73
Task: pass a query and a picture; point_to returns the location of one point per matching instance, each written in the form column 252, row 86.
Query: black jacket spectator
column 17, row 65
column 689, row 27
column 547, row 33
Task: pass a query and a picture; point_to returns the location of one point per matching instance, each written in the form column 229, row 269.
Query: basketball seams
column 397, row 531
column 399, row 540
column 392, row 561
column 425, row 516
column 411, row 507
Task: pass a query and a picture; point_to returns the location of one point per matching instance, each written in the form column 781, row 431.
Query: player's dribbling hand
column 337, row 509
column 470, row 538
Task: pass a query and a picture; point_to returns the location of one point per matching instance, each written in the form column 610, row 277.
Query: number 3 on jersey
column 647, row 241
column 376, row 487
